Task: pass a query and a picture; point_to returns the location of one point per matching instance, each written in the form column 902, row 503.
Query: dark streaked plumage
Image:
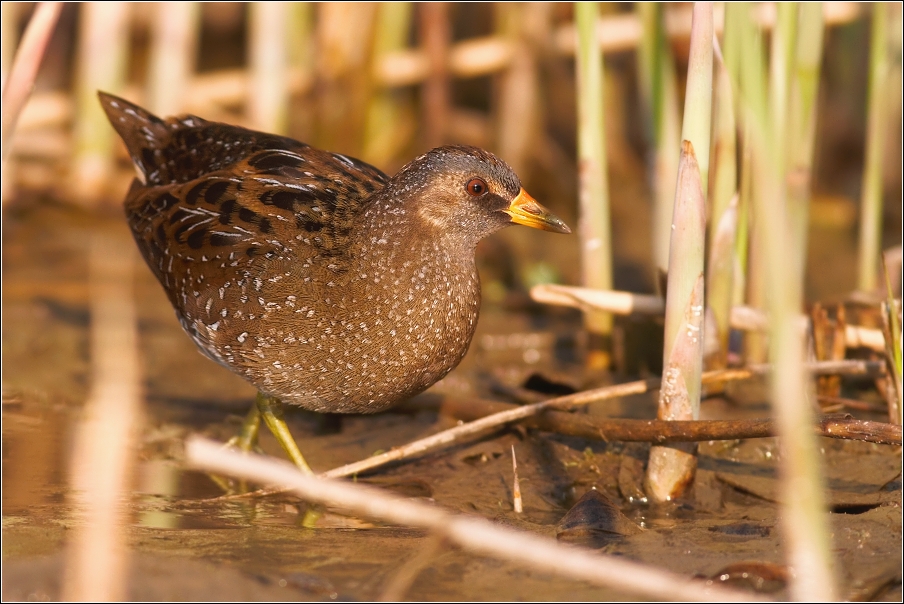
column 313, row 275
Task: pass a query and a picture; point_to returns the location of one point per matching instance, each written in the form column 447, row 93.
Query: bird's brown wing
column 221, row 207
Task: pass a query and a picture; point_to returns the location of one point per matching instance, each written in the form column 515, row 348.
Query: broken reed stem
column 104, row 456
column 593, row 223
column 876, row 122
column 743, row 318
column 516, row 485
column 472, row 533
column 671, row 468
column 18, row 85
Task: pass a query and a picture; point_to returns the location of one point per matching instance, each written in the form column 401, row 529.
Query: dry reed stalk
column 300, row 66
column 103, row 457
column 748, row 274
column 781, row 56
column 23, row 70
column 9, row 37
column 624, row 32
column 344, row 41
column 594, row 226
column 268, row 92
column 719, row 285
column 101, row 65
column 437, row 36
column 174, row 47
column 894, row 350
column 876, row 121
column 723, row 219
column 518, row 111
column 389, row 125
column 616, row 33
column 472, row 533
column 468, row 58
column 659, row 93
column 803, row 99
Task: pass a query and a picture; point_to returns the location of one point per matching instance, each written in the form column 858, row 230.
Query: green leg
column 271, row 410
column 246, row 439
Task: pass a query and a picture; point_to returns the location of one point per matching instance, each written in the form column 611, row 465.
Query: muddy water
column 186, row 547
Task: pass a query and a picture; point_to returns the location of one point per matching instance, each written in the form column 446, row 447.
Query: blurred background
column 385, row 81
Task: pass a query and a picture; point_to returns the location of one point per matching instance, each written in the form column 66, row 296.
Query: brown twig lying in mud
column 472, row 533
column 514, row 413
column 658, row 431
column 575, row 400
column 491, row 422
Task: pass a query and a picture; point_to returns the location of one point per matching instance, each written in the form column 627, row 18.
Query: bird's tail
column 143, row 132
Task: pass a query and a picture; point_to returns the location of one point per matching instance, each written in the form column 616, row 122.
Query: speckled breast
column 357, row 343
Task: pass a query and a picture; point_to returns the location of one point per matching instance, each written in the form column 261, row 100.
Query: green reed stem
column 383, row 131
column 805, row 522
column 659, row 92
column 871, row 194
column 594, row 225
column 804, row 93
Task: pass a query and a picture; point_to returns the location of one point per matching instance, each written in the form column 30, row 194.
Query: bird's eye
column 476, row 187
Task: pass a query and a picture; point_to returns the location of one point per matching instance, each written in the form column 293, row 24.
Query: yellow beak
column 525, row 210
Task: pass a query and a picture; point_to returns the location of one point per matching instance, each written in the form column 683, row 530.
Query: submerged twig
column 475, row 534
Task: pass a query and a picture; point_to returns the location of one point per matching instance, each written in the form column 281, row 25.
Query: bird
column 313, row 275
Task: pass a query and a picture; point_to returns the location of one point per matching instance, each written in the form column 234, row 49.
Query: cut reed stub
column 671, row 469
